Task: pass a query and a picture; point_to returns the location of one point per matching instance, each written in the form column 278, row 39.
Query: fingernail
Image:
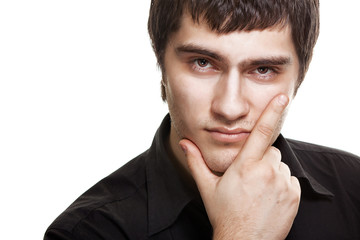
column 184, row 148
column 283, row 100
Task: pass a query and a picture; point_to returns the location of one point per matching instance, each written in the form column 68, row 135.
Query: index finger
column 262, row 134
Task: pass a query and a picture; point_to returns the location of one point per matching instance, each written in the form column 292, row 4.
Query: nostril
column 230, row 110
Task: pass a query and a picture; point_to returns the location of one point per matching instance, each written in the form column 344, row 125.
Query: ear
column 163, row 90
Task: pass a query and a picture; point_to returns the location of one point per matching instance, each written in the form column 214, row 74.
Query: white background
column 79, row 97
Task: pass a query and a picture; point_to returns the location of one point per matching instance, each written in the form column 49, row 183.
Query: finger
column 296, row 184
column 262, row 134
column 273, row 155
column 285, row 170
column 202, row 175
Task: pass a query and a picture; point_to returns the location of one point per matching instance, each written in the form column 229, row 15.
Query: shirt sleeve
column 58, row 234
column 61, row 234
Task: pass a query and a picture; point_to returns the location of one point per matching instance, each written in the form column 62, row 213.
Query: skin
column 227, row 97
column 230, row 92
column 256, row 198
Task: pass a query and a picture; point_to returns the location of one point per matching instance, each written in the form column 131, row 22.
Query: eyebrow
column 267, row 61
column 191, row 48
column 261, row 61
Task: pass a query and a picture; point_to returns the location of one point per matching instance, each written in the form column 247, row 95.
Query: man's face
column 217, row 86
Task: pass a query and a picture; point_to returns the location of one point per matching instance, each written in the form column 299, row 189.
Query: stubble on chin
column 218, row 157
column 220, row 161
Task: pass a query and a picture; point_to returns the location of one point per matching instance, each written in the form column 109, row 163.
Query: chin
column 220, row 162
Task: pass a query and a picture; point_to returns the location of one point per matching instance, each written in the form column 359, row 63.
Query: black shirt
column 148, row 198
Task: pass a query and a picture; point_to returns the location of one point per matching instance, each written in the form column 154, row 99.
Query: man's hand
column 256, row 198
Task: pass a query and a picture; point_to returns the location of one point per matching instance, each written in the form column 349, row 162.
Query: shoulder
column 336, row 170
column 330, row 163
column 319, row 150
column 108, row 203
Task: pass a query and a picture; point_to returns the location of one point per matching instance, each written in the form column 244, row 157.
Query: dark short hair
column 224, row 16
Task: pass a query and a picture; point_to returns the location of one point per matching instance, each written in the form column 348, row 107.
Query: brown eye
column 263, row 70
column 202, row 62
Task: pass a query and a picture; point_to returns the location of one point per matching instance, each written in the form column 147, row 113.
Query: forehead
column 236, row 45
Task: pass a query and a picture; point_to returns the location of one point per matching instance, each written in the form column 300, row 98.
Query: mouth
column 226, row 135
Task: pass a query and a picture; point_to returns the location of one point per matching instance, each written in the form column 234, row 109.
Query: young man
column 219, row 167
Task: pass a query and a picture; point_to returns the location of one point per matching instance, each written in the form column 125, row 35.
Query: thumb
column 202, row 175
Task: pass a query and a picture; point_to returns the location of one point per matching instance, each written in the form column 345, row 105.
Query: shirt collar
column 294, row 162
column 168, row 193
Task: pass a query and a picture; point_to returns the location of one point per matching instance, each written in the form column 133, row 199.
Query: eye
column 263, row 70
column 202, row 63
column 264, row 73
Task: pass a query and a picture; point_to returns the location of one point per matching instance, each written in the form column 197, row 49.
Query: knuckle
column 278, row 109
column 265, row 130
column 296, row 190
column 295, row 198
column 284, row 165
column 268, row 174
column 273, row 156
column 296, row 184
column 248, row 168
column 276, row 152
column 285, row 168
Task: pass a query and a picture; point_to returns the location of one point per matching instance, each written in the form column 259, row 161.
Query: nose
column 230, row 101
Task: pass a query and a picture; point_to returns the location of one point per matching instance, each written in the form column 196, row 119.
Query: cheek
column 261, row 95
column 189, row 94
column 259, row 104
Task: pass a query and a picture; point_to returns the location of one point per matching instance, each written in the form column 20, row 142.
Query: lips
column 226, row 135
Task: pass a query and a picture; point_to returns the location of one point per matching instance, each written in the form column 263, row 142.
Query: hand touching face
column 256, row 198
